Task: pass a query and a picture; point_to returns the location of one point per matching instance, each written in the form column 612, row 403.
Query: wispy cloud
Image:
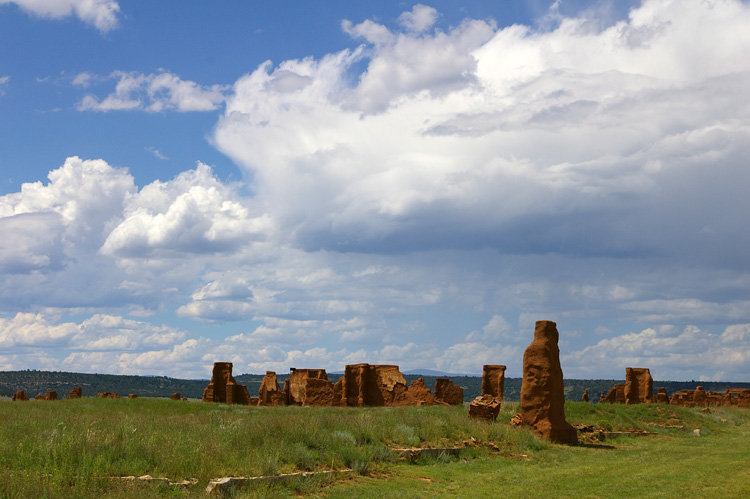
column 157, row 154
column 156, row 92
column 4, row 84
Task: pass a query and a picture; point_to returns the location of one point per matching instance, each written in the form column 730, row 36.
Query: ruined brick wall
column 270, row 392
column 493, row 381
column 639, row 386
column 448, row 392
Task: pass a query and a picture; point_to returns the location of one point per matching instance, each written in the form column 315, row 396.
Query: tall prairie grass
column 68, row 448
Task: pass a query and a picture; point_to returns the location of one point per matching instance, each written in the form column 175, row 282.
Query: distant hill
column 34, row 382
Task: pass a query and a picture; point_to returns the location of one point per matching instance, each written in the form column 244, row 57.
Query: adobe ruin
column 661, row 396
column 372, row 385
column 50, row 395
column 615, row 395
column 542, row 390
column 223, row 388
column 270, row 392
column 448, row 392
column 585, row 396
column 75, row 393
column 308, row 387
column 639, row 386
column 493, row 381
column 175, row 396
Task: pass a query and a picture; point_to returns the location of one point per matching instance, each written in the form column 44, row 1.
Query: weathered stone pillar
column 542, row 390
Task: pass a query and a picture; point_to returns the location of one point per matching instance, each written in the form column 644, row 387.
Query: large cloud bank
column 423, row 211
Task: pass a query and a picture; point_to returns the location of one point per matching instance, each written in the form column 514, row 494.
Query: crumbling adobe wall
column 223, row 388
column 175, row 396
column 542, row 389
column 639, row 386
column 585, row 396
column 697, row 398
column 736, row 397
column 308, row 387
column 379, row 385
column 108, row 395
column 615, row 395
column 493, row 381
column 418, row 394
column 75, row 393
column 270, row 392
column 446, row 391
column 50, row 395
column 20, row 395
column 661, row 396
column 372, row 385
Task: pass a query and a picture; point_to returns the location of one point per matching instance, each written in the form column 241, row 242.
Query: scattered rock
column 484, row 407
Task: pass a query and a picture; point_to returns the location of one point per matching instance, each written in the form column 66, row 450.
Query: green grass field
column 68, row 448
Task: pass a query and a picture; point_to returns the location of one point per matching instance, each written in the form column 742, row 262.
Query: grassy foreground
column 68, row 448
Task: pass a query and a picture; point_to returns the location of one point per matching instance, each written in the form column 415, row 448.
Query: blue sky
column 293, row 184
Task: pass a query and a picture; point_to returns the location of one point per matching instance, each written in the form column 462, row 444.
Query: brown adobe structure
column 542, row 390
column 493, row 381
column 448, row 392
column 175, row 396
column 308, row 387
column 50, row 395
column 372, row 385
column 615, row 395
column 661, row 396
column 20, row 395
column 732, row 397
column 270, row 392
column 223, row 388
column 39, row 396
column 380, row 385
column 585, row 396
column 75, row 393
column 108, row 395
column 639, row 386
column 419, row 394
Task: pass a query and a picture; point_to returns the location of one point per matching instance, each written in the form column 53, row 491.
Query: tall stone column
column 542, row 390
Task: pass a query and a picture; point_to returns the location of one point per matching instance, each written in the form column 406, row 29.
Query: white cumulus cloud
column 102, row 14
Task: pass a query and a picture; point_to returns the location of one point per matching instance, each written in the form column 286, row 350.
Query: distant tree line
column 34, row 382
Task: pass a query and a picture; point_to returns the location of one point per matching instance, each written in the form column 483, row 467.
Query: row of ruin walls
column 361, row 385
column 732, row 397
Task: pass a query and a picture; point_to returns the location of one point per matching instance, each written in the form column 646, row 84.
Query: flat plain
column 81, row 448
